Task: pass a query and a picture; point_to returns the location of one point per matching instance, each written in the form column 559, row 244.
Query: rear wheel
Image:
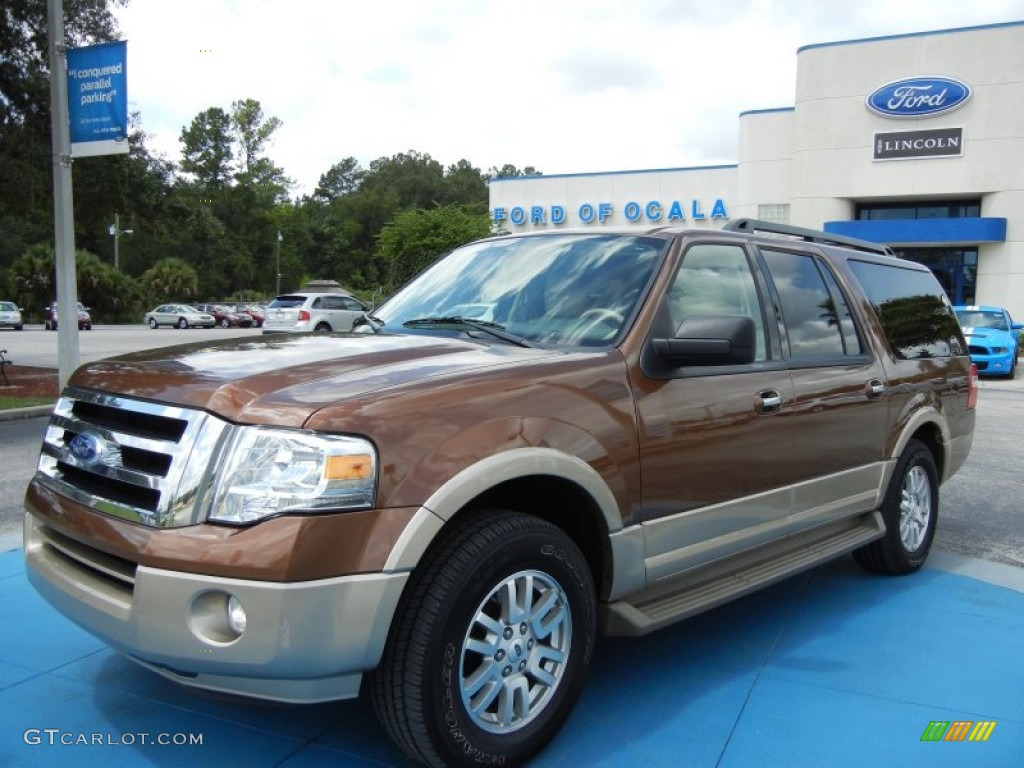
column 490, row 645
column 322, row 328
column 225, row 323
column 910, row 511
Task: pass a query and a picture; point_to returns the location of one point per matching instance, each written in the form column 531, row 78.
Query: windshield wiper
column 493, row 329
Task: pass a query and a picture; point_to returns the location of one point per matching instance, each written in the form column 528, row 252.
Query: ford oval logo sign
column 88, row 449
column 919, row 97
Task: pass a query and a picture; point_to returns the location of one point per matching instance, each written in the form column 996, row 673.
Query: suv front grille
column 129, row 458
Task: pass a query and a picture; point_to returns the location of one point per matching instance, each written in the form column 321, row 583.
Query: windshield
column 980, row 319
column 575, row 290
column 6, row 306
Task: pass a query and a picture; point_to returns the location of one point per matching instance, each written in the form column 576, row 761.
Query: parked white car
column 180, row 316
column 10, row 315
column 312, row 312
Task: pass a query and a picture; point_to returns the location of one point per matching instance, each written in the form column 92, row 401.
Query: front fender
column 488, row 472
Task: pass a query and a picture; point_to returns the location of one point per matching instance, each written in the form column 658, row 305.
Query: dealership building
column 915, row 141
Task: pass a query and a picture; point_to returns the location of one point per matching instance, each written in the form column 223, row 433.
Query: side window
column 914, row 312
column 317, row 303
column 848, row 329
column 352, row 305
column 716, row 280
column 811, row 315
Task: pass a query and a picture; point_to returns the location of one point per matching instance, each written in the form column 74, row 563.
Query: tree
column 509, row 171
column 34, row 277
column 416, row 238
column 26, row 176
column 414, row 179
column 207, row 152
column 342, row 178
column 252, row 131
column 170, row 279
column 465, row 185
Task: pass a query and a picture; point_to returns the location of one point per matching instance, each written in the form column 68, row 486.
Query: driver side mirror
column 710, row 340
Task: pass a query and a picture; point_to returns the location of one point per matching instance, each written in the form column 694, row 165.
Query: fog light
column 236, row 615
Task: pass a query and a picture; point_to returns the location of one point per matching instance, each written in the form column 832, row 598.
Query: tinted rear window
column 288, row 301
column 914, row 312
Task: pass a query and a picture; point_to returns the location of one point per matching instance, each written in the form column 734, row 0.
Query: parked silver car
column 180, row 316
column 10, row 315
column 312, row 312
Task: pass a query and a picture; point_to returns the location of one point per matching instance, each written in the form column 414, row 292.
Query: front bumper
column 993, row 364
column 304, row 641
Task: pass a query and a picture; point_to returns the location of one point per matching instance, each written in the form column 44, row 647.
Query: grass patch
column 7, row 403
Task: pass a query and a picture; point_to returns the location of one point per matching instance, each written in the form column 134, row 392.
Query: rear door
column 341, row 311
column 840, row 409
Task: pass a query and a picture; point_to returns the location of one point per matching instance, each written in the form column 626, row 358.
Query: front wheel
column 152, row 323
column 490, row 645
column 910, row 511
column 182, row 322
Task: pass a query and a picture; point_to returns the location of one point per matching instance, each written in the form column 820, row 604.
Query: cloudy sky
column 567, row 86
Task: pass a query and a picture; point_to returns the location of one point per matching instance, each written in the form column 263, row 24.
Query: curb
column 33, row 411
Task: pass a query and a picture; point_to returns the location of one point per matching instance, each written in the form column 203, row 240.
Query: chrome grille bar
column 129, row 458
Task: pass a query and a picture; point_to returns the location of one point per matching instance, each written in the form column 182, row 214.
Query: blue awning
column 965, row 231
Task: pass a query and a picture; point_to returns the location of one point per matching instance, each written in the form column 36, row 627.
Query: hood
column 985, row 333
column 282, row 380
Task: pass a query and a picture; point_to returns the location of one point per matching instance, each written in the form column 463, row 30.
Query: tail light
column 304, row 317
column 972, row 389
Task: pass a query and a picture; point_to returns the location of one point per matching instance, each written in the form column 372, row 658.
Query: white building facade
column 915, row 141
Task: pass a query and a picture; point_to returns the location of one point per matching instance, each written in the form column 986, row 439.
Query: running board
column 703, row 588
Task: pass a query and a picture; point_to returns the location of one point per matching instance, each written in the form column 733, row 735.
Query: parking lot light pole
column 277, row 290
column 116, row 231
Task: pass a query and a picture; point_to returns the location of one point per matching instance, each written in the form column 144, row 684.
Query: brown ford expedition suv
column 445, row 509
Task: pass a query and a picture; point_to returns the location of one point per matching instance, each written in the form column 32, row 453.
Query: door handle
column 875, row 388
column 768, row 401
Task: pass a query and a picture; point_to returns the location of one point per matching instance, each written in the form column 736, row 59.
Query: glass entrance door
column 955, row 268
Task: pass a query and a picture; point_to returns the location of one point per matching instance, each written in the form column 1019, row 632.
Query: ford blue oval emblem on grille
column 919, row 97
column 87, row 448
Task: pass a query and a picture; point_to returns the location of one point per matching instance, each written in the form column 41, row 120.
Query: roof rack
column 810, row 235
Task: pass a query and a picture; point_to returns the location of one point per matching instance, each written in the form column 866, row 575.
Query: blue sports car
column 992, row 339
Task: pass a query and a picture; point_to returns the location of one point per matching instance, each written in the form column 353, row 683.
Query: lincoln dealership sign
column 904, row 145
column 634, row 212
column 917, row 97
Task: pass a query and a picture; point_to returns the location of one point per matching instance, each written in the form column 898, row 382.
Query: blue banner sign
column 919, row 97
column 634, row 212
column 98, row 99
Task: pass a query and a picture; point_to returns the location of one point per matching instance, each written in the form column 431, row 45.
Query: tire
column 182, row 322
column 19, row 327
column 322, row 328
column 443, row 636
column 910, row 511
column 1013, row 367
column 224, row 323
column 153, row 323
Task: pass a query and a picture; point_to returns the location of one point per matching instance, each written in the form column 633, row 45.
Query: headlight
column 999, row 350
column 270, row 471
